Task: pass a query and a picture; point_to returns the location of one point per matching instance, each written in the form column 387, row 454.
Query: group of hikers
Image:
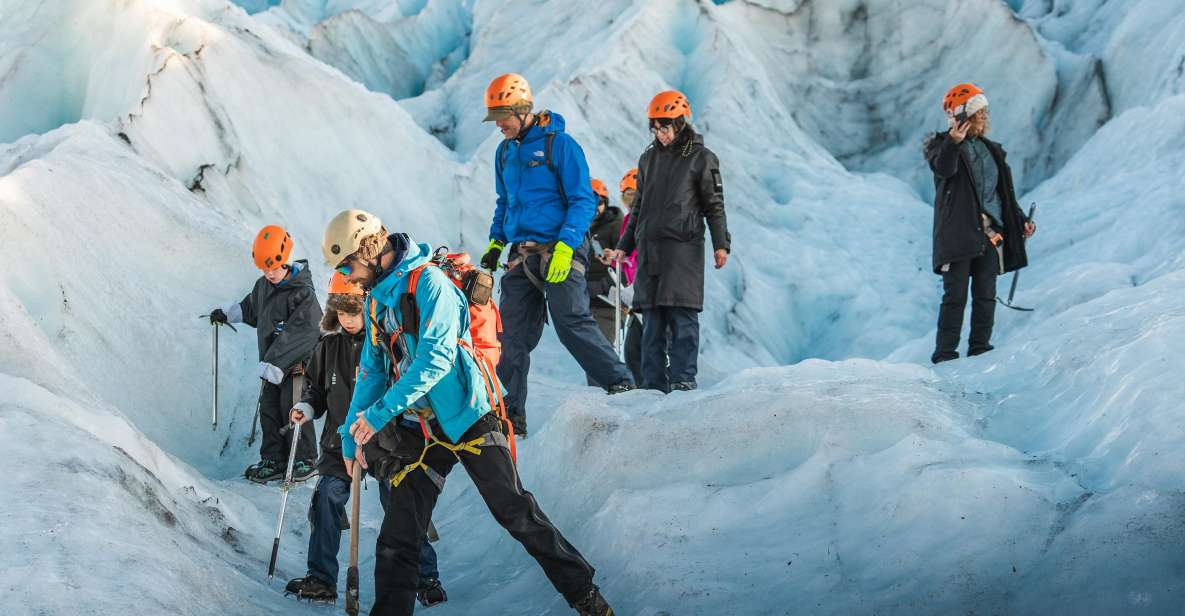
column 414, row 368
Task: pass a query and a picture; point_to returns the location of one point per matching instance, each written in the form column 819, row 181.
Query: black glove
column 217, row 316
column 489, row 260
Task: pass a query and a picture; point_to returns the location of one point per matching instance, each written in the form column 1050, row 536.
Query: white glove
column 270, row 373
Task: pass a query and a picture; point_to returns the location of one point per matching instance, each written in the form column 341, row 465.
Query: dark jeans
column 982, row 272
column 673, row 333
column 524, row 309
column 327, row 516
column 275, row 401
column 493, row 473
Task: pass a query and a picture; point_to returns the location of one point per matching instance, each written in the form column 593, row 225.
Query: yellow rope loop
column 472, row 447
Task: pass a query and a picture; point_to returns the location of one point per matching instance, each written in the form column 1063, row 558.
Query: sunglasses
column 661, row 124
column 345, row 269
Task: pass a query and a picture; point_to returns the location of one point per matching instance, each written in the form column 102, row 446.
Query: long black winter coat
column 286, row 318
column 328, row 388
column 679, row 190
column 958, row 234
column 605, row 229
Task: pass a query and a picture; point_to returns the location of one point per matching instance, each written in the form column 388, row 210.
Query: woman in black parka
column 979, row 229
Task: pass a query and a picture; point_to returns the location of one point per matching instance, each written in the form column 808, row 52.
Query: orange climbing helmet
column 964, row 98
column 670, row 104
column 600, row 188
column 629, row 180
column 340, row 285
column 272, row 248
column 506, row 95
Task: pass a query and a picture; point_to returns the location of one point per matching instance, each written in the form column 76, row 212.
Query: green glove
column 561, row 263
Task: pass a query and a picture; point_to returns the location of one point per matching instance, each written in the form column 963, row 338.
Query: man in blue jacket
column 422, row 404
column 545, row 206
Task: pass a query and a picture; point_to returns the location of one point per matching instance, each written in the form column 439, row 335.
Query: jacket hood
column 546, row 121
column 300, row 277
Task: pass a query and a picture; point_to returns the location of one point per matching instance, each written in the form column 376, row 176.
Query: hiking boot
column 593, row 604
column 940, row 356
column 431, row 593
column 979, row 350
column 304, row 469
column 312, row 589
column 519, row 422
column 621, row 388
column 683, row 386
column 264, row 471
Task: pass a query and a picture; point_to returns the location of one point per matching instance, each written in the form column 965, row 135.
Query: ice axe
column 1016, row 276
column 352, row 571
column 617, row 346
column 214, row 367
column 271, row 567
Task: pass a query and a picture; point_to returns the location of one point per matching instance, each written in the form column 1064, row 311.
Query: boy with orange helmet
column 283, row 309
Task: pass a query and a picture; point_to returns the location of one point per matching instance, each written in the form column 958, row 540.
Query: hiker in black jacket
column 979, row 228
column 679, row 188
column 283, row 309
column 605, row 231
column 328, row 388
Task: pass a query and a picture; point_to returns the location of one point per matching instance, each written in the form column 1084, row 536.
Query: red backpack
column 485, row 322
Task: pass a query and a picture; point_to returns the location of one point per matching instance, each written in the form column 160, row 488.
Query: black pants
column 275, row 402
column 397, row 555
column 669, row 332
column 327, row 520
column 982, row 272
column 633, row 347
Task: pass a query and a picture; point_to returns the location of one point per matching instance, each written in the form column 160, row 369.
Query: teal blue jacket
column 438, row 373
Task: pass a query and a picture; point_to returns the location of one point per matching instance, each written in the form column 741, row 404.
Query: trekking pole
column 214, row 368
column 1016, row 276
column 617, row 308
column 271, row 567
column 352, row 571
column 255, row 420
column 214, row 371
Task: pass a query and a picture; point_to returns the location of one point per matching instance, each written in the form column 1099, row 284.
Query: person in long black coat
column 979, row 228
column 680, row 196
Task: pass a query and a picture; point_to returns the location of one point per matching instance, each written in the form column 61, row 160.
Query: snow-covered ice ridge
column 824, row 468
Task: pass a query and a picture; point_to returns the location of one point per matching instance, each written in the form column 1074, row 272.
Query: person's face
column 627, row 197
column 355, row 270
column 601, row 204
column 510, row 125
column 352, row 323
column 979, row 121
column 664, row 131
column 274, row 276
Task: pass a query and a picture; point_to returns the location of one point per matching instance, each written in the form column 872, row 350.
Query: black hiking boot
column 311, row 589
column 519, row 422
column 621, row 388
column 940, row 356
column 979, row 350
column 593, row 604
column 304, row 469
column 431, row 593
column 683, row 386
column 264, row 471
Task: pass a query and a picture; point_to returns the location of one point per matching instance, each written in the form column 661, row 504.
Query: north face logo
column 537, row 154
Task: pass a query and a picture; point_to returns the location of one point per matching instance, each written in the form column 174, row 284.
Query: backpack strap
column 409, row 311
column 559, row 179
